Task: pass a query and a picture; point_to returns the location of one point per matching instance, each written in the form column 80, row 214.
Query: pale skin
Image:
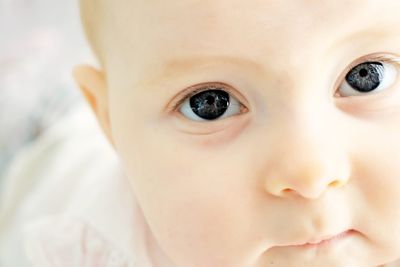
column 296, row 163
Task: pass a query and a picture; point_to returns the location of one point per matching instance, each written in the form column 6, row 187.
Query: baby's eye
column 210, row 104
column 370, row 76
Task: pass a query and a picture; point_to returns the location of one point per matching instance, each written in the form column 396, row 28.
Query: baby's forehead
column 181, row 15
column 293, row 29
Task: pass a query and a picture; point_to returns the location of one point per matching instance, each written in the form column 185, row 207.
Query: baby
column 252, row 133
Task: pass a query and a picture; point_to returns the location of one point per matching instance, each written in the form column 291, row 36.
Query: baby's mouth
column 324, row 240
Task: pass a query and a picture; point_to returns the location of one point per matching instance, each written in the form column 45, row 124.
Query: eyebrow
column 176, row 66
column 202, row 61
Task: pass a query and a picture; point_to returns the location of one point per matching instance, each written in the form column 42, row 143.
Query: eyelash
column 391, row 59
column 189, row 92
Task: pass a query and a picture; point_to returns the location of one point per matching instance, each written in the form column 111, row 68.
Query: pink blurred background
column 40, row 42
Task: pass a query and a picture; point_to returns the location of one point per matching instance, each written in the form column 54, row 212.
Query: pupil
column 210, row 100
column 363, row 72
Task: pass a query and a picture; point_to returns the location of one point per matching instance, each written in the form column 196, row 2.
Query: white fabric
column 66, row 202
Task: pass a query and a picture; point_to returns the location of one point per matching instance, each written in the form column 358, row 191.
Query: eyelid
column 198, row 88
column 376, row 57
column 195, row 89
column 385, row 58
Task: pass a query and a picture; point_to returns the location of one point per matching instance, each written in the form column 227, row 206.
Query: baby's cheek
column 188, row 202
column 376, row 179
column 190, row 233
column 198, row 229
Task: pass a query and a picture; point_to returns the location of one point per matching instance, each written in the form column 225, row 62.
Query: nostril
column 307, row 188
column 310, row 192
column 288, row 192
column 335, row 184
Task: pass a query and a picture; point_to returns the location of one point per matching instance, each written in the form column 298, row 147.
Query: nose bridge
column 310, row 158
column 308, row 132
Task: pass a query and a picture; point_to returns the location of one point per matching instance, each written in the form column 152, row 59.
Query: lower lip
column 327, row 242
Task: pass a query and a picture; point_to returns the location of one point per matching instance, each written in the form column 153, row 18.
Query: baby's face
column 292, row 134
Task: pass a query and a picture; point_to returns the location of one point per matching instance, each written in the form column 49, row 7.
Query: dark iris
column 365, row 77
column 210, row 104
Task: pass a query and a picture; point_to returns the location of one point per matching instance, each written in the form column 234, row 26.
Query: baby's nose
column 307, row 164
column 308, row 181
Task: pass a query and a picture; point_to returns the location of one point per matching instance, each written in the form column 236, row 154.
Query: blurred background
column 40, row 42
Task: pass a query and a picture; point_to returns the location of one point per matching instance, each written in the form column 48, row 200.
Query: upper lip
column 319, row 239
